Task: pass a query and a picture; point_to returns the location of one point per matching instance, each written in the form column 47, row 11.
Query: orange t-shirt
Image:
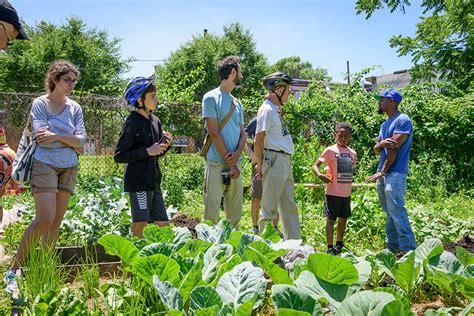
column 341, row 162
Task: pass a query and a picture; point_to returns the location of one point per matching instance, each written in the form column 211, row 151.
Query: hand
column 388, row 143
column 45, row 137
column 232, row 157
column 156, row 149
column 374, row 177
column 169, row 138
column 259, row 174
column 324, row 178
column 234, row 172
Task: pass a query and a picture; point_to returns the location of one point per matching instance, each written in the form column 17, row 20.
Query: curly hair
column 58, row 69
column 226, row 65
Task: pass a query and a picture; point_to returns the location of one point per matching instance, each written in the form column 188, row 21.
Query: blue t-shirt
column 399, row 124
column 216, row 103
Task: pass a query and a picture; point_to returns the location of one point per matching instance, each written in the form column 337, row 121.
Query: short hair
column 151, row 88
column 225, row 66
column 58, row 69
column 344, row 125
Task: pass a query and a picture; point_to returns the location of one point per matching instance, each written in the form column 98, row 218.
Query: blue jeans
column 391, row 191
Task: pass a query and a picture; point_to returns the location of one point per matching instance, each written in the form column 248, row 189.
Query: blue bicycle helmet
column 135, row 89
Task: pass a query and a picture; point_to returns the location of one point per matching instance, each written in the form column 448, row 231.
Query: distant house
column 300, row 86
column 398, row 79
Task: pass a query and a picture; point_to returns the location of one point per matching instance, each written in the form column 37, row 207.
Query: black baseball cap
column 8, row 14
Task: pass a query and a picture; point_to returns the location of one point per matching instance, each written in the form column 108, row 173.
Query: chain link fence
column 103, row 118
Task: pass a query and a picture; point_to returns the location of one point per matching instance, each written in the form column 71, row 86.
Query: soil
column 466, row 242
column 181, row 220
column 421, row 308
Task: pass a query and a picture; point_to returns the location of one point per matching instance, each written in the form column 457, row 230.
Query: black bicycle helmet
column 276, row 79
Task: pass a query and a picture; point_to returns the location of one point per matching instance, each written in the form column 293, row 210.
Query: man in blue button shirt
column 393, row 146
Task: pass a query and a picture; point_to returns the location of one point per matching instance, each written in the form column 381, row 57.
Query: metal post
column 348, row 74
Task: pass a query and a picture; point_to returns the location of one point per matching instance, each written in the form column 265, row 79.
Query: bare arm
column 318, row 173
column 258, row 150
column 213, row 129
column 233, row 157
column 398, row 139
column 251, row 153
column 392, row 152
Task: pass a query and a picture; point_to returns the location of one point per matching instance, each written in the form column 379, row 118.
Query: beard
column 380, row 111
column 238, row 82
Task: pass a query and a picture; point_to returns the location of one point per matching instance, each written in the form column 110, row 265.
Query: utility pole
column 348, row 74
column 205, row 32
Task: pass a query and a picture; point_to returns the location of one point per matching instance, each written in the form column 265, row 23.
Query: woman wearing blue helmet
column 141, row 142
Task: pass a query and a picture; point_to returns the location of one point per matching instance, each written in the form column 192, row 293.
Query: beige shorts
column 47, row 178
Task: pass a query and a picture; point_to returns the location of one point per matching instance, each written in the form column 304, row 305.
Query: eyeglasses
column 69, row 81
column 9, row 36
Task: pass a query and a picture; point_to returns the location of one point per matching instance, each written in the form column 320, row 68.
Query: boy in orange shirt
column 340, row 161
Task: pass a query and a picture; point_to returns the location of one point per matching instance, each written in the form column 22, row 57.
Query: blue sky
column 326, row 33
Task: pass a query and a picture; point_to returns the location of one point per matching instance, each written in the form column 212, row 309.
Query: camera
column 226, row 176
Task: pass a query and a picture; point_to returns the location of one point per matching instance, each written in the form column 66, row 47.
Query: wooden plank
column 355, row 185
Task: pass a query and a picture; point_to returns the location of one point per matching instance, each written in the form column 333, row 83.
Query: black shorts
column 337, row 206
column 148, row 206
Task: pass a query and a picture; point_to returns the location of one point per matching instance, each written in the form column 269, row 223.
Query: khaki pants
column 214, row 189
column 278, row 193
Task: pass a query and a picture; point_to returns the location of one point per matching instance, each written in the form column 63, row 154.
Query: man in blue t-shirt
column 223, row 169
column 393, row 145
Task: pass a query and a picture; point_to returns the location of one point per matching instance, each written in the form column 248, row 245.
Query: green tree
column 98, row 57
column 301, row 70
column 201, row 54
column 443, row 43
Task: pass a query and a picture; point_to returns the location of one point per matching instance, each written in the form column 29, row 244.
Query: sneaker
column 10, row 281
column 255, row 230
column 279, row 232
column 331, row 251
column 338, row 249
column 399, row 255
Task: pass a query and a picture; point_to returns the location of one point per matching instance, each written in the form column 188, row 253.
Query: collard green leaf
column 169, row 295
column 268, row 252
column 332, row 269
column 156, row 234
column 181, row 236
column 293, row 298
column 430, row 248
column 213, row 258
column 270, row 233
column 241, row 284
column 193, row 247
column 323, row 291
column 119, row 246
column 464, row 256
column 167, row 269
column 365, row 303
column 163, row 248
column 387, row 261
column 278, row 275
column 407, row 273
column 406, row 306
column 191, row 280
column 204, row 297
